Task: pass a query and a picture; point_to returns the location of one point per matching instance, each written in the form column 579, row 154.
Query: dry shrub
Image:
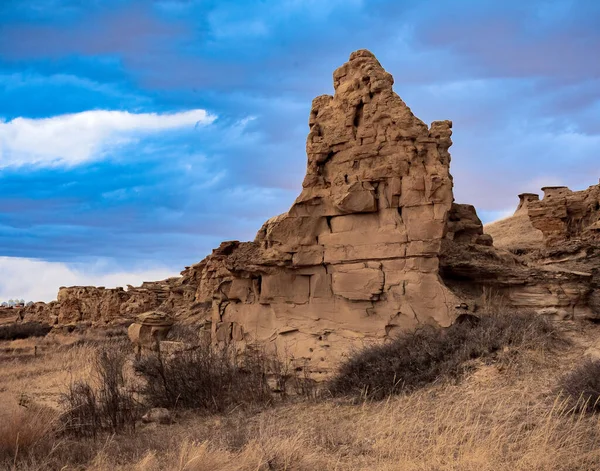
column 428, row 355
column 104, row 404
column 206, row 378
column 115, row 332
column 581, row 386
column 25, row 431
column 24, row 330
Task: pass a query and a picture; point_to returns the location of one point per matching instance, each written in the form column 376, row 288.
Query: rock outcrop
column 100, row 305
column 567, row 216
column 355, row 259
column 373, row 245
column 552, row 258
column 516, row 233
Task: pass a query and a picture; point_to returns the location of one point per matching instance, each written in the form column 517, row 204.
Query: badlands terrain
column 375, row 325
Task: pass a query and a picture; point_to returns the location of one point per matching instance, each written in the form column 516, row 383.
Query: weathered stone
column 358, row 282
column 159, row 415
column 285, row 287
column 149, row 330
column 553, row 252
column 332, row 270
column 377, row 190
column 373, row 245
column 242, row 289
column 563, row 215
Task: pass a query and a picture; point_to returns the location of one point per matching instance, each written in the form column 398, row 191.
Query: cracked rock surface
column 373, row 245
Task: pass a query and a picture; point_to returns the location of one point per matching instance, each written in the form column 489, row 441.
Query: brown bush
column 107, row 405
column 428, row 355
column 206, row 378
column 582, row 386
column 25, row 330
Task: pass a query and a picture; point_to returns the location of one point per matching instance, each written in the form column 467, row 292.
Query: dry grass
column 25, row 429
column 44, row 376
column 515, row 233
column 497, row 421
column 501, row 416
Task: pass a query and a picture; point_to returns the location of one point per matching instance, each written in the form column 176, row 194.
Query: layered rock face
column 100, row 305
column 517, row 233
column 356, row 256
column 373, row 245
column 354, row 260
column 554, row 244
column 565, row 215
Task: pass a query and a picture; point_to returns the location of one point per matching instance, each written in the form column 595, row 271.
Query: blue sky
column 137, row 135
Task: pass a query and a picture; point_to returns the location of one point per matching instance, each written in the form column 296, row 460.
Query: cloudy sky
column 136, row 135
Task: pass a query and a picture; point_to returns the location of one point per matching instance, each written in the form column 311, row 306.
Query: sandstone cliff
column 553, row 254
column 355, row 259
column 101, row 305
column 374, row 244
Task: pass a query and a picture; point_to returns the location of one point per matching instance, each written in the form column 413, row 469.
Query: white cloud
column 37, row 280
column 75, row 138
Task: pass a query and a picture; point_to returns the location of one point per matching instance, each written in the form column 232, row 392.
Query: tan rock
column 149, row 330
column 357, row 283
column 285, row 288
column 360, row 245
column 373, row 244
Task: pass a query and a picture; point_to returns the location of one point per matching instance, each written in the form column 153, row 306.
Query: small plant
column 23, row 331
column 582, row 387
column 107, row 405
column 428, row 355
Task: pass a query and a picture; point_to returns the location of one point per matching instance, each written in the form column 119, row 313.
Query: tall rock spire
column 356, row 256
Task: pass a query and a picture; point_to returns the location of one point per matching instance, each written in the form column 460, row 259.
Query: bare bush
column 206, row 378
column 428, row 355
column 582, row 386
column 187, row 333
column 22, row 331
column 107, row 405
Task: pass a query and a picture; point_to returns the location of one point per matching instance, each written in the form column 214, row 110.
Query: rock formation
column 552, row 258
column 567, row 216
column 517, row 233
column 100, row 305
column 148, row 330
column 356, row 257
column 373, row 245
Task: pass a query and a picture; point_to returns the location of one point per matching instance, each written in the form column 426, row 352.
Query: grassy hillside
column 504, row 411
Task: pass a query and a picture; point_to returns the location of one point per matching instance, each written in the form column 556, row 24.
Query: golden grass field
column 506, row 415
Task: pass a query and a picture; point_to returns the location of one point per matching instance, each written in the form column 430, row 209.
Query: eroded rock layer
column 552, row 257
column 73, row 304
column 566, row 216
column 356, row 257
column 373, row 245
